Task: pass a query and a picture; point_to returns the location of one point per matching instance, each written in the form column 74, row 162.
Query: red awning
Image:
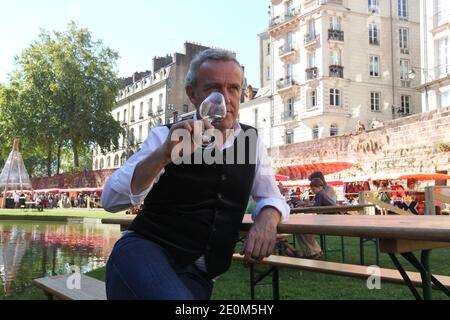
column 302, row 171
column 425, row 176
column 279, row 177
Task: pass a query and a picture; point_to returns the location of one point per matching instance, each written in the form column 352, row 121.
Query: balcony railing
column 285, row 17
column 288, row 116
column 339, row 2
column 310, row 38
column 334, row 34
column 336, row 71
column 442, row 17
column 373, row 8
column 312, row 73
column 285, row 83
column 286, row 50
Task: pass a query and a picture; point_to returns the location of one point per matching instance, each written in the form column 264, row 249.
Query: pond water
column 34, row 249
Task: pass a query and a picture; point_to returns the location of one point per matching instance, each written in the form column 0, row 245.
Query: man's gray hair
column 208, row 54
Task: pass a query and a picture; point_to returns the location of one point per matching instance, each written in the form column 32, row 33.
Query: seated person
column 310, row 248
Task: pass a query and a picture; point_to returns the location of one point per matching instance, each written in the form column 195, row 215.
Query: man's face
column 316, row 190
column 221, row 76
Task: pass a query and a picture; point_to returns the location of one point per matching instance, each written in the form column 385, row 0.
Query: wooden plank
column 441, row 197
column 90, row 288
column 402, row 246
column 413, row 227
column 341, row 269
column 387, row 206
column 331, row 209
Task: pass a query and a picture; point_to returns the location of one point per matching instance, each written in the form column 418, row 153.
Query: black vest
column 197, row 209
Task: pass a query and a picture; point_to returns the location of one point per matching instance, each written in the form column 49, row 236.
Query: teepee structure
column 14, row 176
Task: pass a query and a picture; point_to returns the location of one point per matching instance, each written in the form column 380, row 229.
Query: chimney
column 136, row 77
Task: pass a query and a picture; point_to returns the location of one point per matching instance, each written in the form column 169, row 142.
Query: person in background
column 309, row 248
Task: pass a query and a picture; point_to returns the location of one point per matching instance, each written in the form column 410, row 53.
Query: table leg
column 423, row 266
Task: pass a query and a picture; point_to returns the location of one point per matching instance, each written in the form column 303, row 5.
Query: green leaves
column 61, row 94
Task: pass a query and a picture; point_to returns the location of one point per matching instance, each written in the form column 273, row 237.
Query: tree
column 68, row 87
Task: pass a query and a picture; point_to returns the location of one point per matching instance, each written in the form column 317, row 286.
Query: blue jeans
column 141, row 269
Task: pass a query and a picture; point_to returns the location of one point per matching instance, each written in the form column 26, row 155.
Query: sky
column 139, row 29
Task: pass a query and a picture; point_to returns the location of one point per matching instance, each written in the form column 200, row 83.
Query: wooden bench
column 341, row 269
column 90, row 288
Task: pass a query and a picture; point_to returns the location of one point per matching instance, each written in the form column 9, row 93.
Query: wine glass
column 213, row 109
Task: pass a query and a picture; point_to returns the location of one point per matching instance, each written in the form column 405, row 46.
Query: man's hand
column 183, row 137
column 262, row 237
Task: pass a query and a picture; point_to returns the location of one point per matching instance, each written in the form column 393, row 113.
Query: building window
column 131, row 138
column 403, row 8
column 335, row 23
column 404, row 70
column 374, row 34
column 290, row 107
column 267, row 73
column 333, row 130
column 102, row 163
column 289, row 134
column 312, row 99
column 125, row 116
column 335, row 57
column 372, row 6
column 132, row 114
column 140, row 134
column 160, row 104
column 289, row 43
column 118, row 116
column 123, row 159
column 404, row 40
column 405, row 104
column 315, row 132
column 108, row 162
column 312, row 59
column 268, row 49
column 150, row 106
column 445, row 99
column 374, row 66
column 374, row 101
column 255, row 117
column 116, row 161
column 443, row 68
column 335, row 97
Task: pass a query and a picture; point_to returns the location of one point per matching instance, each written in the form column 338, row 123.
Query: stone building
column 435, row 69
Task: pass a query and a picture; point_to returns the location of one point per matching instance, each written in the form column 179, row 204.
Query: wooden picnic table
column 397, row 235
column 343, row 209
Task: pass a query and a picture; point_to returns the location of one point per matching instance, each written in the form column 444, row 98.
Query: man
column 182, row 240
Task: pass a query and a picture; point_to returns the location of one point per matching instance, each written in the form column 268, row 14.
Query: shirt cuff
column 124, row 188
column 279, row 204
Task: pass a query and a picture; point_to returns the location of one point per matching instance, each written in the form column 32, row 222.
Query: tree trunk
column 58, row 162
column 49, row 158
column 76, row 162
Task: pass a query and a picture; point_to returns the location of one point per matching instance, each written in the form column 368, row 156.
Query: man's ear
column 191, row 94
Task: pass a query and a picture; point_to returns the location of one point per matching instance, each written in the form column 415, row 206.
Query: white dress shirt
column 117, row 193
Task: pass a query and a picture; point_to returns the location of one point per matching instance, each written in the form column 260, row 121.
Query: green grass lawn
column 69, row 212
column 298, row 285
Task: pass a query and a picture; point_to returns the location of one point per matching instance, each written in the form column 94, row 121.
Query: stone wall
column 418, row 143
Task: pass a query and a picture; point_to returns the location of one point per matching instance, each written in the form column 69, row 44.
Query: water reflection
column 36, row 249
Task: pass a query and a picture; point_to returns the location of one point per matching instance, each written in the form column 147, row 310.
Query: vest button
column 223, row 177
column 219, row 196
